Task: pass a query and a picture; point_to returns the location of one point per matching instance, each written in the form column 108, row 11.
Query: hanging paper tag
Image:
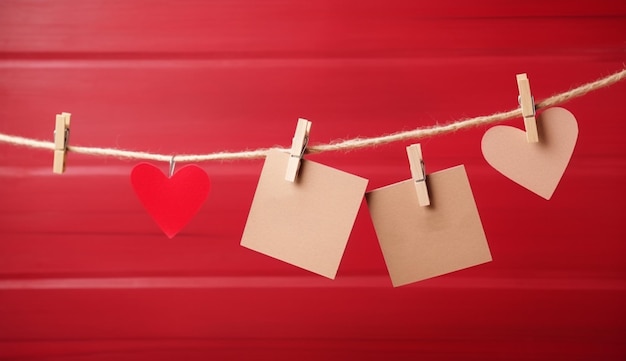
column 306, row 223
column 537, row 167
column 424, row 242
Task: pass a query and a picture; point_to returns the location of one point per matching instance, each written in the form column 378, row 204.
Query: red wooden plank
column 304, row 28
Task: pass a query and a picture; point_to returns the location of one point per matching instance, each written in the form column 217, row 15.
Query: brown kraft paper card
column 424, row 242
column 306, row 223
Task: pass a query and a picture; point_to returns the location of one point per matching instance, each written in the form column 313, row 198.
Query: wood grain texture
column 95, row 279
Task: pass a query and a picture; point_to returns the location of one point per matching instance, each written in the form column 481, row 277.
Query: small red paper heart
column 172, row 202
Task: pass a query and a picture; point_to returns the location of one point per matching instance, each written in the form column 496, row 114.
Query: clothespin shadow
column 61, row 141
column 298, row 147
column 418, row 173
column 527, row 102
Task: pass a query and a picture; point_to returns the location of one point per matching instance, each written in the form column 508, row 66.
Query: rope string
column 354, row 143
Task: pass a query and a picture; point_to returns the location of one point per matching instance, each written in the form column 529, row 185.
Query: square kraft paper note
column 424, row 242
column 305, row 223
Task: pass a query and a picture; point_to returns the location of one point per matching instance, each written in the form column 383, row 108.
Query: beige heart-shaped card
column 420, row 242
column 536, row 166
column 307, row 222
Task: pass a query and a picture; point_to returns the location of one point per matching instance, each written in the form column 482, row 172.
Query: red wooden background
column 86, row 275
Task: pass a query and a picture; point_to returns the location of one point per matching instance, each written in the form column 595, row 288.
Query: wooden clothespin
column 418, row 173
column 527, row 102
column 61, row 140
column 298, row 147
